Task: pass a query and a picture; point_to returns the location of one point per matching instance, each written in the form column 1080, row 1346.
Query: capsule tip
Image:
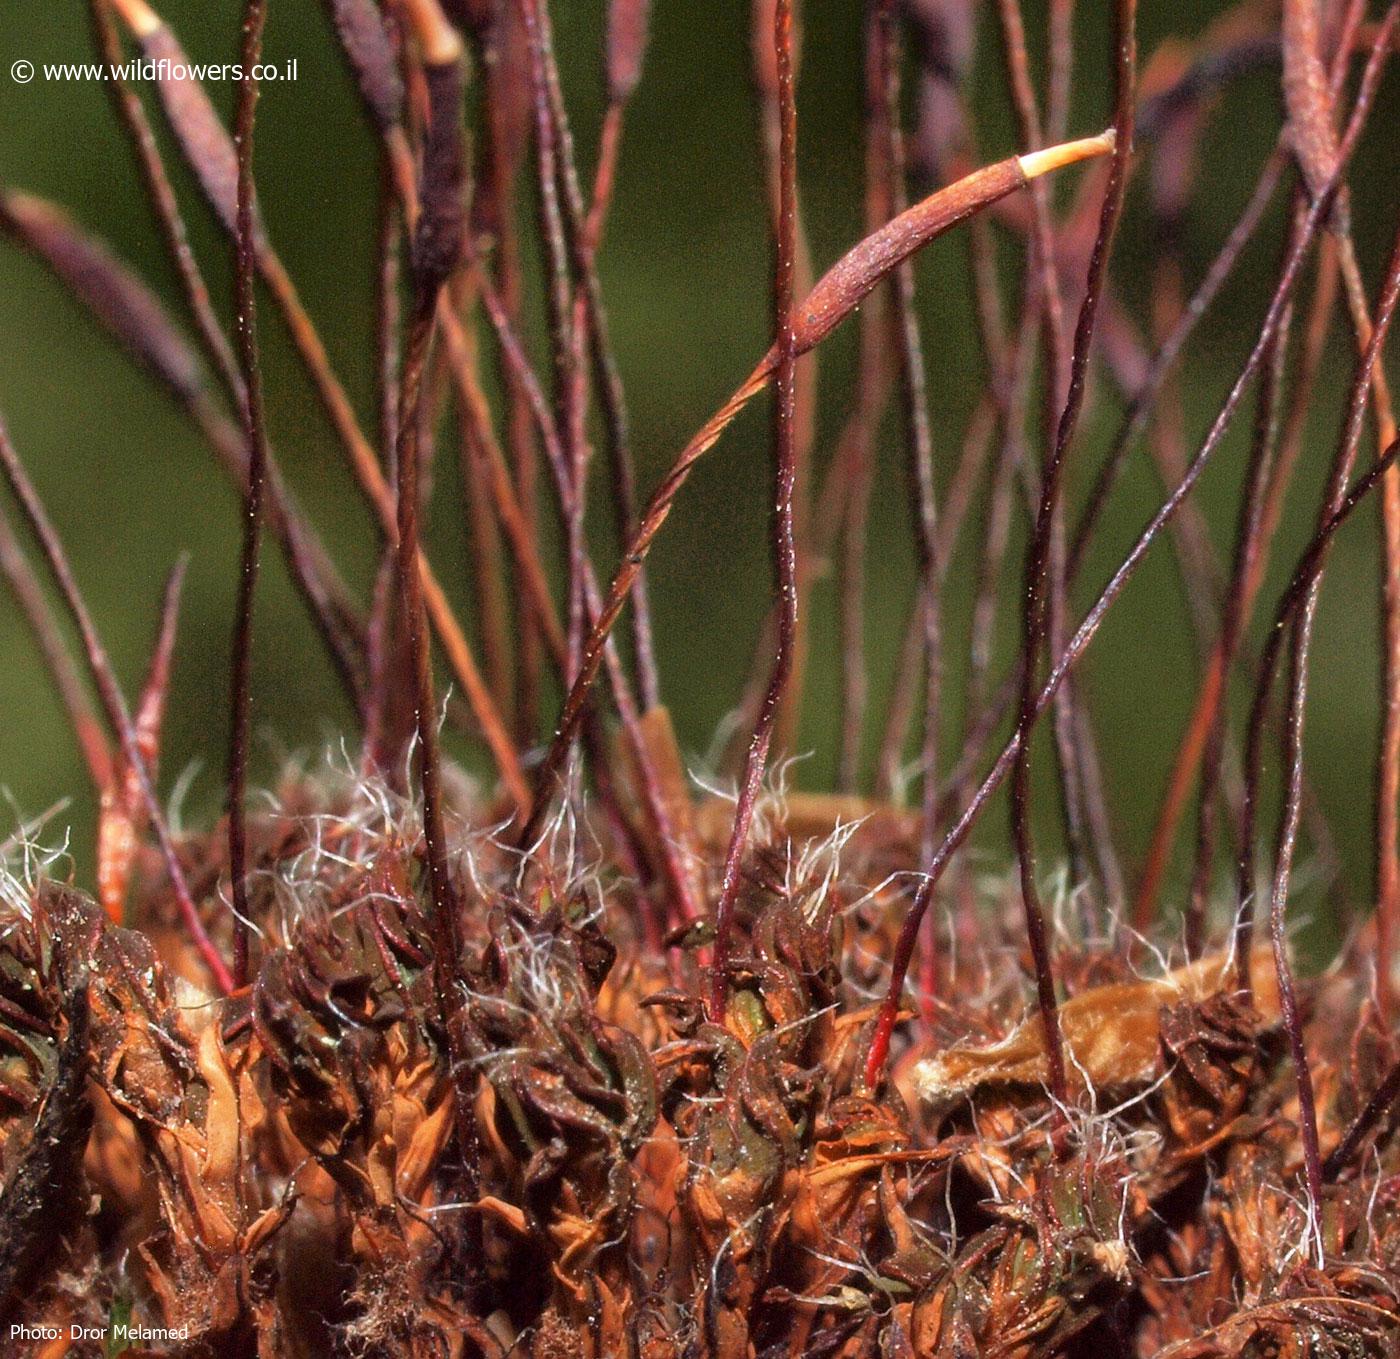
column 138, row 16
column 1055, row 157
column 441, row 44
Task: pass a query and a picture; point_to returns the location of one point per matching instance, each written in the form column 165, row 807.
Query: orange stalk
column 837, row 294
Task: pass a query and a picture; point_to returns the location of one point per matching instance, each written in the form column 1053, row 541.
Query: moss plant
column 586, row 1057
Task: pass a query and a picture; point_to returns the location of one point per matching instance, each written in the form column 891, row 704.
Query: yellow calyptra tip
column 138, row 16
column 1055, row 157
column 438, row 38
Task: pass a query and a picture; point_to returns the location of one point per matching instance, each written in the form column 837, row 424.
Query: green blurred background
column 685, row 269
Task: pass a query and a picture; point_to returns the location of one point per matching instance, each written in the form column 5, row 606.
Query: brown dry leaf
column 1112, row 1034
column 814, row 816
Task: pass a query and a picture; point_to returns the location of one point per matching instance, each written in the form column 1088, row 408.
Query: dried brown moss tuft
column 279, row 1169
